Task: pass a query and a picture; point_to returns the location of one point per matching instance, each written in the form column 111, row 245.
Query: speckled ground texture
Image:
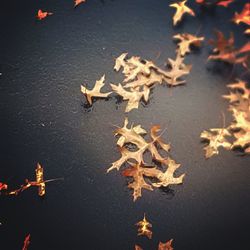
column 43, row 119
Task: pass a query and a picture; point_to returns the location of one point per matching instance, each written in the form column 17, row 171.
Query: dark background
column 43, row 119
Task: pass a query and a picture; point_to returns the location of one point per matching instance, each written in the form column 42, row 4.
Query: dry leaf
column 41, row 15
column 181, row 9
column 26, row 242
column 216, row 138
column 144, row 228
column 39, row 182
column 96, row 91
column 166, row 246
column 239, row 99
column 224, row 50
column 133, row 146
column 77, row 2
column 243, row 17
column 186, row 40
column 178, row 69
column 161, row 246
column 137, row 171
column 142, row 75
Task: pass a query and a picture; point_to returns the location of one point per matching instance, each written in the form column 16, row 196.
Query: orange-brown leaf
column 43, row 14
column 26, row 242
column 144, row 228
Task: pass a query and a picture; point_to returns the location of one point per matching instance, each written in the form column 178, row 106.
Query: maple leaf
column 216, row 138
column 244, row 16
column 166, row 246
column 26, row 242
column 96, row 91
column 3, row 186
column 43, row 14
column 186, row 40
column 144, row 227
column 181, row 9
column 77, row 2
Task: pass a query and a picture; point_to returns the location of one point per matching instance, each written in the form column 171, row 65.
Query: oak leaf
column 144, row 228
column 166, row 246
column 181, row 9
column 142, row 75
column 133, row 146
column 161, row 246
column 96, row 91
column 216, row 138
column 43, row 14
column 26, row 242
column 178, row 69
column 225, row 51
column 186, row 40
column 39, row 182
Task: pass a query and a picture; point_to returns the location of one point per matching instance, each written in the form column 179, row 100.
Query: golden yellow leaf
column 144, row 228
column 96, row 91
column 181, row 9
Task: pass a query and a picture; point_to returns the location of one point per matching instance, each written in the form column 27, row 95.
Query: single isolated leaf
column 43, row 14
column 77, row 2
column 185, row 41
column 26, row 242
column 181, row 9
column 96, row 91
column 166, row 246
column 144, row 228
column 39, row 182
column 3, row 186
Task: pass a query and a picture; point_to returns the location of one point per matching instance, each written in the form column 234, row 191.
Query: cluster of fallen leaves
column 133, row 147
column 182, row 8
column 140, row 77
column 239, row 130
